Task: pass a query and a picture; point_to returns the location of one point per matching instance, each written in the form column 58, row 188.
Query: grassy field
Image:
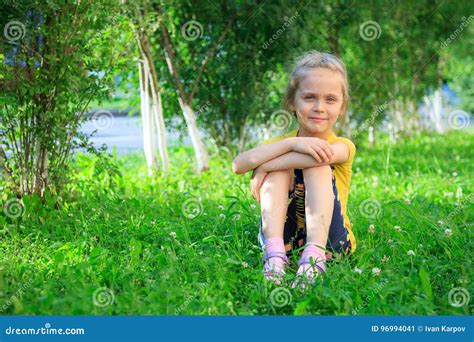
column 187, row 244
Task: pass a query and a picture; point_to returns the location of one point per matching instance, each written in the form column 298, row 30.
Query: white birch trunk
column 159, row 123
column 149, row 146
column 200, row 150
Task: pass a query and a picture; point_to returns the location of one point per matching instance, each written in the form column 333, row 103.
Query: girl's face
column 318, row 101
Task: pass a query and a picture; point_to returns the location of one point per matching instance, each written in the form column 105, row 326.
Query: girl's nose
column 318, row 106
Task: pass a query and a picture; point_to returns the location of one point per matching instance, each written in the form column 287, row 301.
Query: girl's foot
column 312, row 262
column 274, row 259
column 274, row 266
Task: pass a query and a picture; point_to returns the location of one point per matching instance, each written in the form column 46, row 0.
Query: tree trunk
column 151, row 107
column 200, row 151
column 149, row 146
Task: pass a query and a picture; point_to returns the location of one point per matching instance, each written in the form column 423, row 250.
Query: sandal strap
column 320, row 263
column 281, row 255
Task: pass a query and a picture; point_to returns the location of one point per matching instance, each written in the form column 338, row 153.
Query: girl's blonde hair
column 311, row 60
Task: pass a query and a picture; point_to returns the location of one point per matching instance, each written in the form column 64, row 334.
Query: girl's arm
column 318, row 149
column 256, row 156
column 296, row 160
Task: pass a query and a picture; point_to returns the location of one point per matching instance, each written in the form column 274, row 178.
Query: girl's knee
column 275, row 178
column 319, row 171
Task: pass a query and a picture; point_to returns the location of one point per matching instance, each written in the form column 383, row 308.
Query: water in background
column 125, row 133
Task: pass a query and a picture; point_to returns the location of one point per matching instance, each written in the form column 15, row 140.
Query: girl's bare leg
column 274, row 202
column 319, row 203
column 274, row 205
column 319, row 206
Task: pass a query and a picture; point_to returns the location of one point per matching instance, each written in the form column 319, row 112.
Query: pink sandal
column 274, row 265
column 312, row 262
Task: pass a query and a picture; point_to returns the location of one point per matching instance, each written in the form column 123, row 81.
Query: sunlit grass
column 137, row 240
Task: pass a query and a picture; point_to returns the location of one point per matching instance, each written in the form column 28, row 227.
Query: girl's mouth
column 317, row 120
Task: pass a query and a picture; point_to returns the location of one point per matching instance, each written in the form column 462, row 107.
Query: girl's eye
column 331, row 99
column 309, row 97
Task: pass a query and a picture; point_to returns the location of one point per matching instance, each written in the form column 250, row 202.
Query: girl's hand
column 258, row 177
column 319, row 149
column 256, row 182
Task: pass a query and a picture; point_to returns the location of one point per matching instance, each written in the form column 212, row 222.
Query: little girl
column 302, row 179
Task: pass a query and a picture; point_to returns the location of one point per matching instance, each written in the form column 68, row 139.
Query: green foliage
column 135, row 239
column 50, row 73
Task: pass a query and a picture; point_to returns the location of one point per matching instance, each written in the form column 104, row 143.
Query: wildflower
column 407, row 201
column 153, row 222
column 221, row 216
column 441, row 222
column 253, row 206
column 411, row 252
column 396, row 174
column 447, row 194
column 397, row 228
column 237, row 217
column 221, row 207
column 173, row 234
column 371, row 229
column 385, row 258
column 245, row 265
column 448, row 232
column 458, row 193
column 376, row 271
column 358, row 270
column 455, row 174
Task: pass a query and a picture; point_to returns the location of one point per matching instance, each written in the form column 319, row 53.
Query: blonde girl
column 302, row 179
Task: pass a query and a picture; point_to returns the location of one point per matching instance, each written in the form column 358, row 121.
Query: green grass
column 122, row 238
